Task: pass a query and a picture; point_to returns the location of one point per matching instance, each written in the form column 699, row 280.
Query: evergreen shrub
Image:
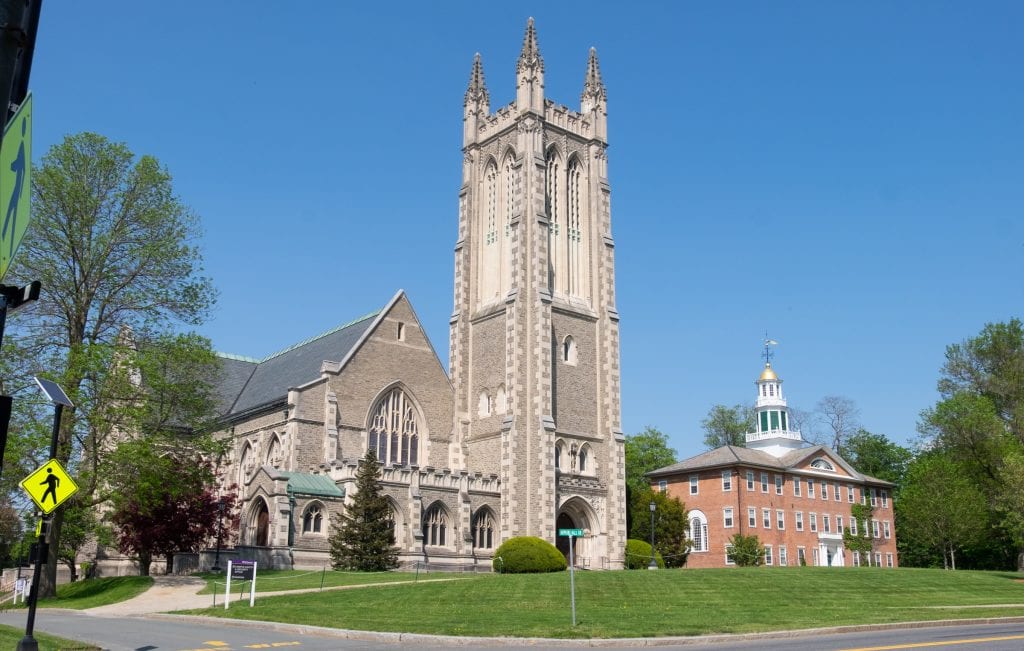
column 638, row 555
column 528, row 554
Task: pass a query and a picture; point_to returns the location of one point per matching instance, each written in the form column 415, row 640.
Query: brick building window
column 726, row 481
column 393, row 431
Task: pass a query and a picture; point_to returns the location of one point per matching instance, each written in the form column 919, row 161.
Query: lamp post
column 653, row 565
column 220, row 528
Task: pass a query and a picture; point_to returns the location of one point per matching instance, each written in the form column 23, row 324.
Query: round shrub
column 638, row 555
column 527, row 554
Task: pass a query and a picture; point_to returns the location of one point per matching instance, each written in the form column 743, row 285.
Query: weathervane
column 768, row 343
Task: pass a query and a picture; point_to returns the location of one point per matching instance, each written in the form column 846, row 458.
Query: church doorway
column 262, row 522
column 565, row 521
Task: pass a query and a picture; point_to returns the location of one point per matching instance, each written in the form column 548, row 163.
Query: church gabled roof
column 247, row 384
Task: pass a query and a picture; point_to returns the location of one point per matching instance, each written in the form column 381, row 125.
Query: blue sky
column 846, row 177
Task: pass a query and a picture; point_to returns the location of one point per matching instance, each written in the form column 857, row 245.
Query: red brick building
column 796, row 498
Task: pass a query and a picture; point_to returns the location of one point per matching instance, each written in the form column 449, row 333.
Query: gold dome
column 768, row 373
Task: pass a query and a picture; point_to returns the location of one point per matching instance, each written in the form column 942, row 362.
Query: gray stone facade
column 524, row 437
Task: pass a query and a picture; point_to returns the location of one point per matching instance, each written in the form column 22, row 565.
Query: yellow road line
column 921, row 645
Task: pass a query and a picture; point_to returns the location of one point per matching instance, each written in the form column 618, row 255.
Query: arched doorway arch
column 259, row 523
column 576, row 513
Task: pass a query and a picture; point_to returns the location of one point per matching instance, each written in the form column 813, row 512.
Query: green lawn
column 96, row 592
column 274, row 580
column 647, row 604
column 10, row 636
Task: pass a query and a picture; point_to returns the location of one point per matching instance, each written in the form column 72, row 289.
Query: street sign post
column 49, row 486
column 15, row 182
column 572, row 534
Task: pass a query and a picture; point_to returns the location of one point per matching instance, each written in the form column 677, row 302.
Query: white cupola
column 771, row 415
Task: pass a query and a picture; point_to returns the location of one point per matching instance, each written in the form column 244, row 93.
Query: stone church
column 524, row 436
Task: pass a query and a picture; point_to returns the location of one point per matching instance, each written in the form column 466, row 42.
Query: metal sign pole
column 572, row 577
column 252, row 587
column 227, row 587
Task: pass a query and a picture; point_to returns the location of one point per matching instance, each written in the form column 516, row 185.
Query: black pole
column 28, row 643
column 220, row 527
column 653, row 565
column 19, row 88
column 12, row 41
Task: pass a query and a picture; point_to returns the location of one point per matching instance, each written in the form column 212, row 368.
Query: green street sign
column 15, row 183
column 572, row 533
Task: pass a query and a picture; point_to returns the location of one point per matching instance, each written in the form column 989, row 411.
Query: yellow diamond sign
column 49, row 486
column 15, row 183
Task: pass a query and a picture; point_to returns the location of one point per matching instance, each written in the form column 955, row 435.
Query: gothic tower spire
column 530, row 73
column 594, row 100
column 477, row 102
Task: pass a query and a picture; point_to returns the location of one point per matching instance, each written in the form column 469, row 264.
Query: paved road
column 167, row 633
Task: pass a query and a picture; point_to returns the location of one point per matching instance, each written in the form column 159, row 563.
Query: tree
column 163, row 499
column 877, row 456
column 670, row 525
column 746, row 551
column 860, row 543
column 841, row 415
column 940, row 508
column 112, row 246
column 80, row 524
column 727, row 425
column 365, row 541
column 645, row 452
column 1009, row 501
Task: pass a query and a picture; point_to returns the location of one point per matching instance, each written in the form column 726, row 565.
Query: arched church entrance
column 576, row 513
column 261, row 523
column 564, row 521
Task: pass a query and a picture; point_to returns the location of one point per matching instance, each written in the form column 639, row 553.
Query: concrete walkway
column 170, row 593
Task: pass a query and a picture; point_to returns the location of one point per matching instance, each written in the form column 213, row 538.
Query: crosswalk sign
column 49, row 486
column 15, row 183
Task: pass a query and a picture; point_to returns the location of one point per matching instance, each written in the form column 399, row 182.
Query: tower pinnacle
column 477, row 90
column 530, row 55
column 593, row 87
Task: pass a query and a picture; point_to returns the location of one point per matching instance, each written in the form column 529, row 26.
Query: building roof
column 768, row 373
column 304, row 483
column 731, row 455
column 248, row 383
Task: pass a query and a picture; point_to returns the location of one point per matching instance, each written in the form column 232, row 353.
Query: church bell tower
column 535, row 331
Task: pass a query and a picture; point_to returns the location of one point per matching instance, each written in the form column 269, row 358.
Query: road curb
column 453, row 640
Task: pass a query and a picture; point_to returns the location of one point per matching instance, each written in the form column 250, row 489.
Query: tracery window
column 245, row 464
column 574, row 232
column 822, row 464
column 584, row 460
column 557, row 236
column 435, row 526
column 313, row 519
column 393, row 431
column 483, row 529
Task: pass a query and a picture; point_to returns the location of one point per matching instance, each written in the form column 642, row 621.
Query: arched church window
column 484, row 404
column 569, row 350
column 559, row 448
column 393, row 431
column 313, row 519
column 552, row 203
column 483, row 529
column 245, row 464
column 501, row 402
column 584, row 460
column 574, row 230
column 435, row 526
column 275, row 455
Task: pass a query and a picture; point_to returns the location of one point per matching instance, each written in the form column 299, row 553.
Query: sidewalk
column 171, row 593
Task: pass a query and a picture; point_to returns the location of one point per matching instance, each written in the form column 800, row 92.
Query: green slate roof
column 304, row 483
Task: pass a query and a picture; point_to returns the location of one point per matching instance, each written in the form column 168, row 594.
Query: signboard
column 49, row 486
column 15, row 183
column 572, row 533
column 242, row 570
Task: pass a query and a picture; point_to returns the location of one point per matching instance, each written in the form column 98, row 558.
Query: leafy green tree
column 727, row 425
column 877, row 456
column 365, row 541
column 940, row 508
column 746, row 551
column 1009, row 501
column 645, row 452
column 114, row 248
column 670, row 526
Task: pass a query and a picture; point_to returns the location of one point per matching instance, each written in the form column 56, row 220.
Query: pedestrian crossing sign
column 49, row 486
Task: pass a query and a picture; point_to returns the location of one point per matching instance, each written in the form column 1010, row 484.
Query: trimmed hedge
column 528, row 554
column 638, row 555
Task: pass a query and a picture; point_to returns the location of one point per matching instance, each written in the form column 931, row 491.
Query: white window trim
column 726, row 481
column 799, row 518
column 694, row 484
column 780, row 519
